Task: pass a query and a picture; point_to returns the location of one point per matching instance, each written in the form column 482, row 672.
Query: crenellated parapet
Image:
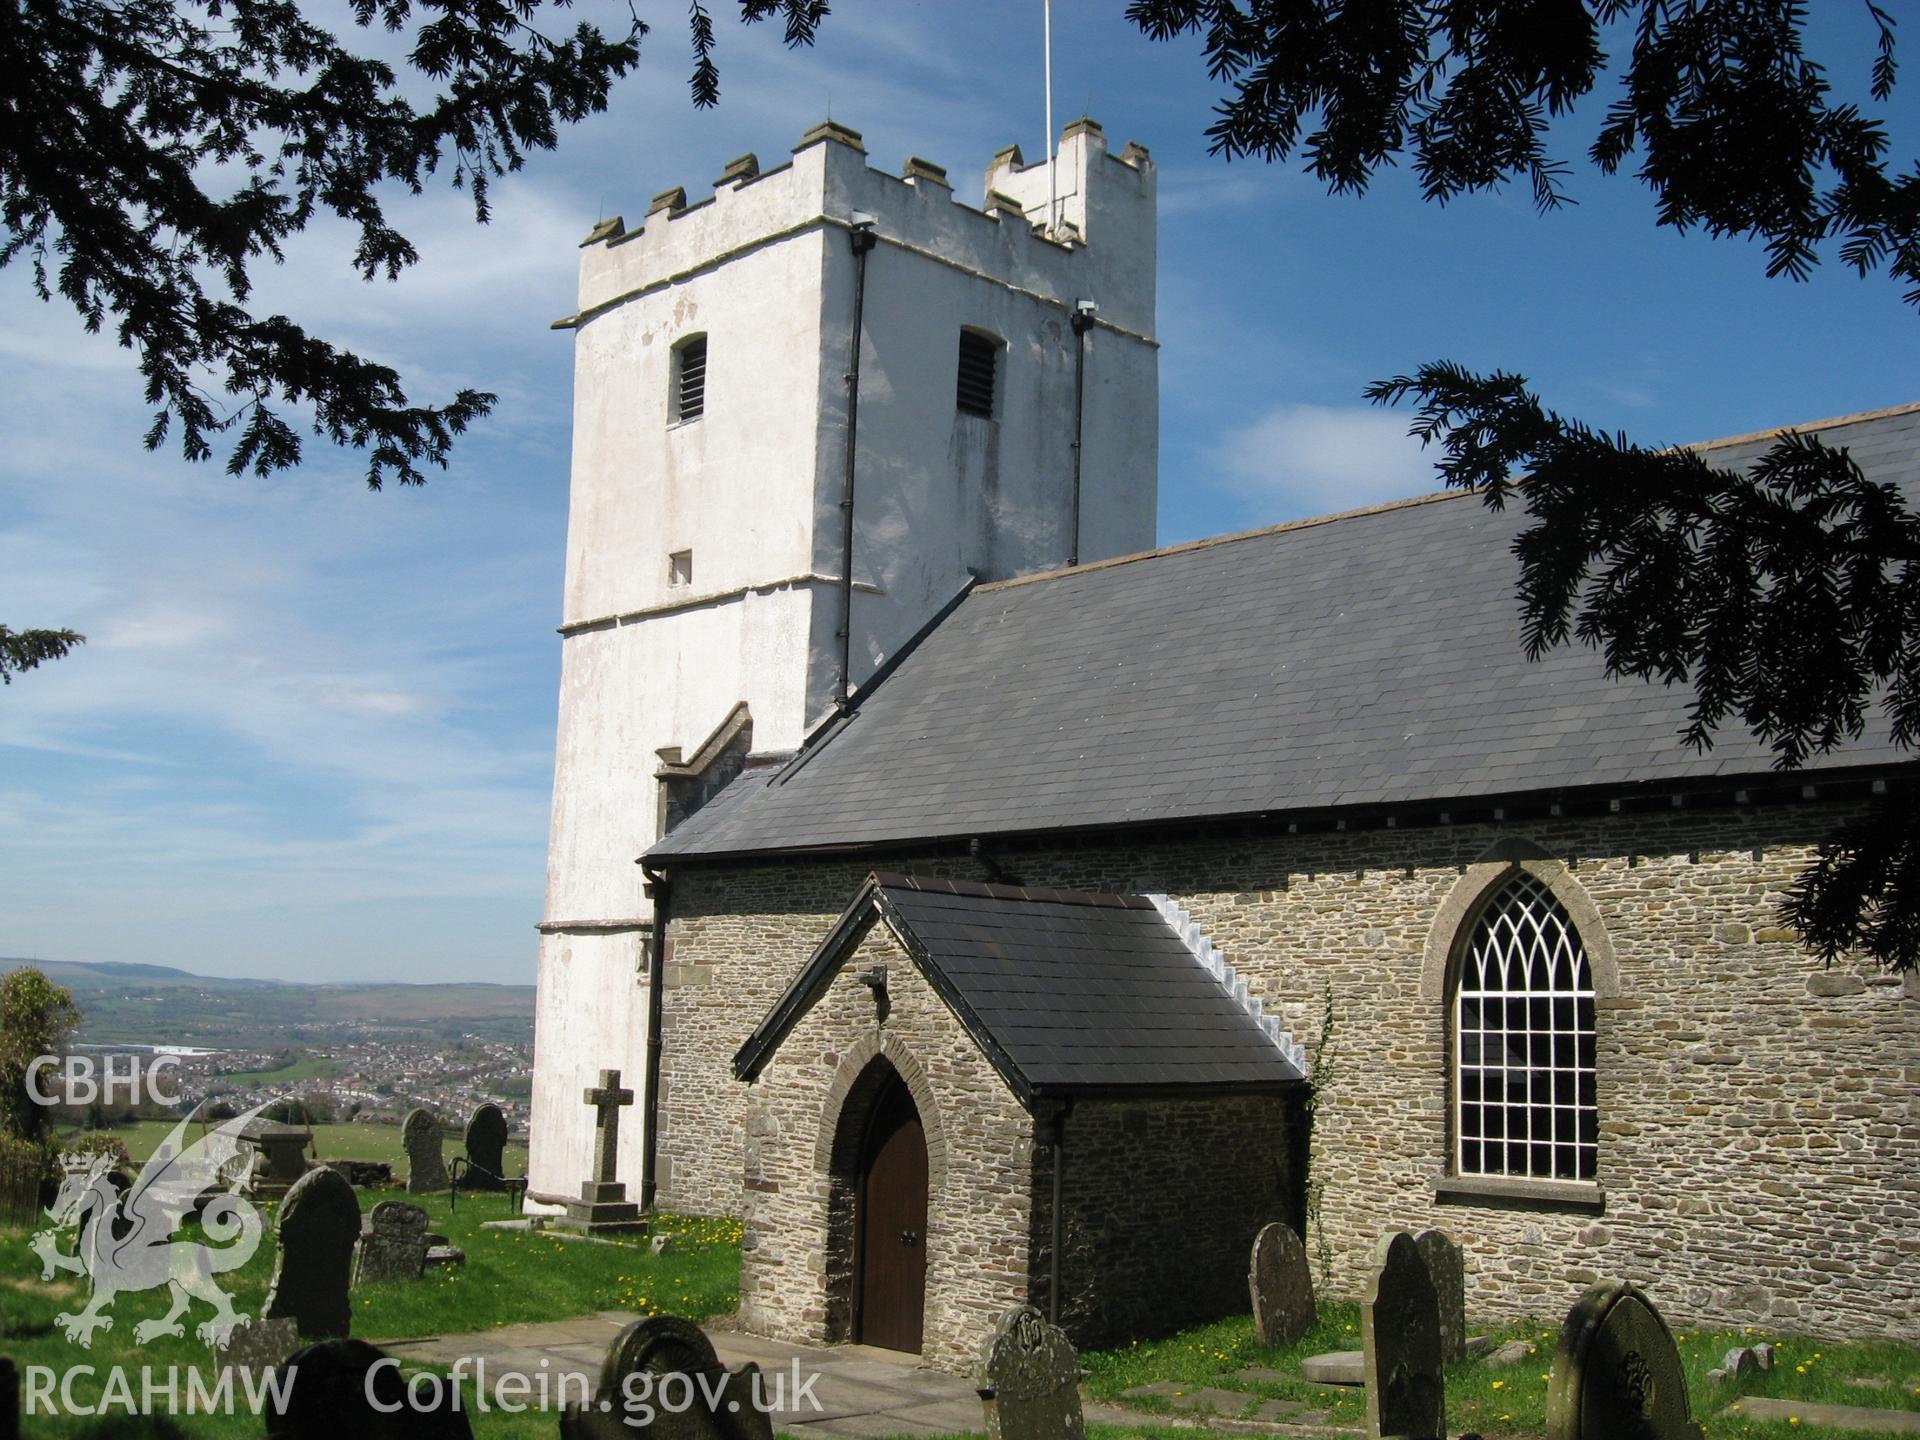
column 1093, row 239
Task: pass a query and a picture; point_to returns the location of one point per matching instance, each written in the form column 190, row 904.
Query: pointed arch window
column 1524, row 1095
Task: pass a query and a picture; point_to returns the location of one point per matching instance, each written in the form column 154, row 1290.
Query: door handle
column 909, row 1238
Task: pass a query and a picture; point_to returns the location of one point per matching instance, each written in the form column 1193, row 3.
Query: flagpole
column 1053, row 201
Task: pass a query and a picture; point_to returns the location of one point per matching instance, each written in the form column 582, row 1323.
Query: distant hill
column 161, row 1005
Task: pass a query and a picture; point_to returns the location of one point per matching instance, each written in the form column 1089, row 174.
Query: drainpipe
column 863, row 240
column 1059, row 1123
column 661, row 889
column 1083, row 313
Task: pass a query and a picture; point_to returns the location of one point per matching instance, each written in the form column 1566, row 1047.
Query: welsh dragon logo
column 126, row 1241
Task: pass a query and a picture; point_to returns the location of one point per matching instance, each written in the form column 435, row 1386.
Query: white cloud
column 1299, row 460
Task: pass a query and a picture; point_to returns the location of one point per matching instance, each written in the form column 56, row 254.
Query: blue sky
column 311, row 732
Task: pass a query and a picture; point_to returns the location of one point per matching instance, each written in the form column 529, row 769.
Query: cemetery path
column 859, row 1391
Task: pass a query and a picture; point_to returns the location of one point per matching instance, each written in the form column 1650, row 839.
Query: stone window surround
column 1446, row 939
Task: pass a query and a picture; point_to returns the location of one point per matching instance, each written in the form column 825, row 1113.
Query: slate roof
column 1066, row 993
column 1372, row 659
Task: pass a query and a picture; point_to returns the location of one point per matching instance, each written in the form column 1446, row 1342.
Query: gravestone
column 256, row 1346
column 1400, row 1340
column 1281, row 1286
column 1029, row 1380
column 276, row 1156
column 662, row 1379
column 1616, row 1372
column 603, row 1207
column 393, row 1244
column 319, row 1223
column 426, row 1171
column 486, row 1149
column 343, row 1388
column 1447, row 1268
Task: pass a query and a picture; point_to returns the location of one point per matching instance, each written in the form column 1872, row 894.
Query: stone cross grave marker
column 603, row 1207
column 1447, row 1268
column 607, row 1099
column 662, row 1379
column 1400, row 1340
column 1616, row 1372
column 486, row 1149
column 1029, row 1380
column 1280, row 1283
column 319, row 1223
column 393, row 1244
column 426, row 1171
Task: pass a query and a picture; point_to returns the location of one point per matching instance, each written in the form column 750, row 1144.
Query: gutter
column 863, row 240
column 661, row 889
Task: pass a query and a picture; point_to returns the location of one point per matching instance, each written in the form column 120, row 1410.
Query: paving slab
column 1834, row 1417
column 1181, row 1395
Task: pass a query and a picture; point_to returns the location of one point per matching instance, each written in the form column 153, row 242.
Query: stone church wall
column 1760, row 1116
column 1161, row 1199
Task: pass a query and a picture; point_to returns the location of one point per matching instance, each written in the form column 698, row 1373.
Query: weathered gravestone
column 662, row 1379
column 486, row 1149
column 393, row 1244
column 256, row 1346
column 1400, row 1340
column 344, row 1388
column 426, row 1171
column 1281, row 1286
column 319, row 1223
column 1447, row 1268
column 1616, row 1372
column 1029, row 1380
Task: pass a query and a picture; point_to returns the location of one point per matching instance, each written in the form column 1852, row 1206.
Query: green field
column 331, row 1142
column 307, row 1067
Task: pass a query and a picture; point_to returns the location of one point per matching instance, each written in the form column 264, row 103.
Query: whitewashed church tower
column 998, row 416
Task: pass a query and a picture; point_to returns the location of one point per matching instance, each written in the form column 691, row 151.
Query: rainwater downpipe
column 863, row 239
column 1083, row 313
column 1056, row 1221
column 661, row 889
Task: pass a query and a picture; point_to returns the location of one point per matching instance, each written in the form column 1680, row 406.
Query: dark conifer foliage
column 1719, row 109
column 1786, row 596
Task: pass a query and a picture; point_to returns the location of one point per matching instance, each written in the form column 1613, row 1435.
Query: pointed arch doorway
column 890, row 1265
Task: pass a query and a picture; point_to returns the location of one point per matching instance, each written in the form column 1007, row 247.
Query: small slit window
column 680, row 568
column 1524, row 1045
column 979, row 360
column 689, row 394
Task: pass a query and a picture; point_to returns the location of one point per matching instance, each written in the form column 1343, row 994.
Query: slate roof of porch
column 1066, row 993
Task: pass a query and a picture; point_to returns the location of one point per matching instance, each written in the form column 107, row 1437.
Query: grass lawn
column 1511, row 1402
column 509, row 1277
column 331, row 1142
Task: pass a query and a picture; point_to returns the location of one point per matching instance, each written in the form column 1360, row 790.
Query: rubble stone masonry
column 1760, row 1115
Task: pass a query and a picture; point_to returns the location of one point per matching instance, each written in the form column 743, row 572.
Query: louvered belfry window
column 690, row 379
column 979, row 358
column 1523, row 1033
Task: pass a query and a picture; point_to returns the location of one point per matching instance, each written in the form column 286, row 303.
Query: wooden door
column 892, row 1282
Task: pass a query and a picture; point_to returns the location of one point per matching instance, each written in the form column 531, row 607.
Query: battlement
column 1099, row 246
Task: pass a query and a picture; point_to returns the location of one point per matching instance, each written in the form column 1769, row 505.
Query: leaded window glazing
column 1523, row 1033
